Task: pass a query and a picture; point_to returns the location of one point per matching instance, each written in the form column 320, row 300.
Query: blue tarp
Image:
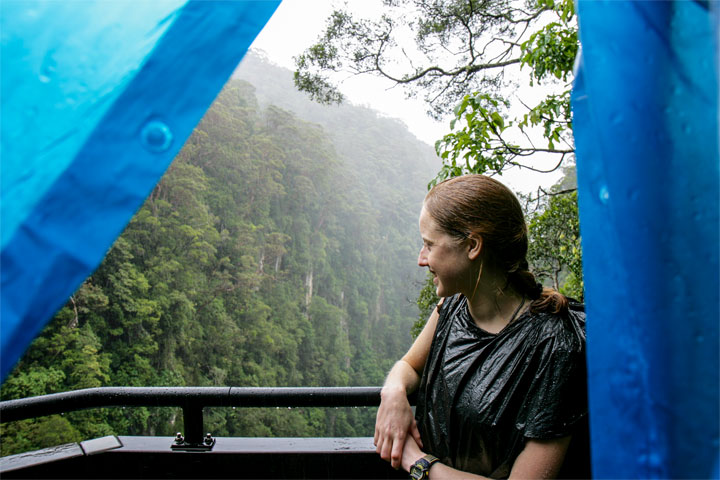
column 97, row 99
column 646, row 132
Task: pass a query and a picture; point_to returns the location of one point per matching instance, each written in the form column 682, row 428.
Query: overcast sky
column 297, row 24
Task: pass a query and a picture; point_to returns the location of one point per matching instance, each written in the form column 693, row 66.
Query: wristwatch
column 421, row 469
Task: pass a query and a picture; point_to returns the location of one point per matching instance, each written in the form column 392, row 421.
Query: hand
column 394, row 421
column 411, row 454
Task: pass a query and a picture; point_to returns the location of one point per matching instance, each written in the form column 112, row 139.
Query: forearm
column 540, row 459
column 395, row 420
column 441, row 471
column 438, row 471
column 401, row 378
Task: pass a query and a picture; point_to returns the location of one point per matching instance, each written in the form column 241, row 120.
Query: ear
column 474, row 246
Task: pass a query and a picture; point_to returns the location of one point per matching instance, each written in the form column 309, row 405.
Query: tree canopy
column 469, row 57
column 264, row 257
column 462, row 56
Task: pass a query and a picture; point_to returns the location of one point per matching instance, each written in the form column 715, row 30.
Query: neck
column 492, row 311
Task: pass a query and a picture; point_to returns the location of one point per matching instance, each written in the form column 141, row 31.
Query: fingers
column 396, row 454
column 386, row 450
column 390, row 447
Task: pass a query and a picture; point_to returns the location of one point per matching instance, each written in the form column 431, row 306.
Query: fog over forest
column 278, row 250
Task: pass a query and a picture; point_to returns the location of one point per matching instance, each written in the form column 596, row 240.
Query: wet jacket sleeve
column 556, row 400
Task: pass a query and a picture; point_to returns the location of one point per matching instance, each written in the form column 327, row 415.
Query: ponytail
column 543, row 299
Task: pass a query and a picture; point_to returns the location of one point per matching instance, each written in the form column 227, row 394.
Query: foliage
column 459, row 46
column 554, row 252
column 257, row 260
column 459, row 56
column 427, row 301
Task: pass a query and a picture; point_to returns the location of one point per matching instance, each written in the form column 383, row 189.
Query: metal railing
column 192, row 400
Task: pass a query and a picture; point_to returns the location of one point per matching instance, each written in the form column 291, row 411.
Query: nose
column 422, row 257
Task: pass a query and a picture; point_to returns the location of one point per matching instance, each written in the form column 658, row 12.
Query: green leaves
column 319, row 88
column 477, row 147
column 551, row 51
column 460, row 46
column 553, row 114
column 554, row 252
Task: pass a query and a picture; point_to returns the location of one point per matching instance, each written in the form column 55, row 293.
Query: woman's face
column 446, row 257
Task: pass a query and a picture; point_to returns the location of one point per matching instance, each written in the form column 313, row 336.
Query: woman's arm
column 395, row 418
column 540, row 459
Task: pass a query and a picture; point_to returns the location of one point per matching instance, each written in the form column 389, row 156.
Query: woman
column 499, row 367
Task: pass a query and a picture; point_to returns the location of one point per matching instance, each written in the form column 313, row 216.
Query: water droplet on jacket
column 156, row 136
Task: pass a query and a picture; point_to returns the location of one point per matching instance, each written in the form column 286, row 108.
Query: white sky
column 297, row 24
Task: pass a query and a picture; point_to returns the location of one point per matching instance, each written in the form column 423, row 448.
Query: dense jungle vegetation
column 273, row 252
column 278, row 250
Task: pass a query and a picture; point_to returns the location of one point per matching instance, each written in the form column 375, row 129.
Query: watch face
column 416, row 472
column 419, row 469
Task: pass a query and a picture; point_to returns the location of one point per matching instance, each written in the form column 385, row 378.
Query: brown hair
column 483, row 206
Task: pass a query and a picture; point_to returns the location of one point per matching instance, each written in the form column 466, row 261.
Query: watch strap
column 421, row 468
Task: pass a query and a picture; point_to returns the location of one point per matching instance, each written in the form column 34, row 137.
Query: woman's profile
column 499, row 368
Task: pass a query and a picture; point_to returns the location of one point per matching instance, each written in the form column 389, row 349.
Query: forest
column 279, row 249
column 270, row 254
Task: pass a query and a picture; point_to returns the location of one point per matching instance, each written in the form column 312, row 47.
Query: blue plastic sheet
column 97, row 99
column 646, row 131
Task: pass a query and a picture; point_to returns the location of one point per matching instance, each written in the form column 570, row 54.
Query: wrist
column 393, row 390
column 409, row 460
column 420, row 469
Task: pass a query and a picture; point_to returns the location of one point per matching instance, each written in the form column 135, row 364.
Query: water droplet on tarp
column 156, row 136
column 604, row 194
column 48, row 68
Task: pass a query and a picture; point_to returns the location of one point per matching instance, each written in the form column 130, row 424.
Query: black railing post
column 193, row 420
column 195, row 438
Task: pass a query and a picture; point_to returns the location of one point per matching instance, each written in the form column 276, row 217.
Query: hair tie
column 536, row 292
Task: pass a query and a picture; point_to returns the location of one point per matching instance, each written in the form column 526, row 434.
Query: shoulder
column 448, row 308
column 450, row 305
column 561, row 332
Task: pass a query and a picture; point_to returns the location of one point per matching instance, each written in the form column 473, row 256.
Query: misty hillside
column 381, row 150
column 278, row 249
